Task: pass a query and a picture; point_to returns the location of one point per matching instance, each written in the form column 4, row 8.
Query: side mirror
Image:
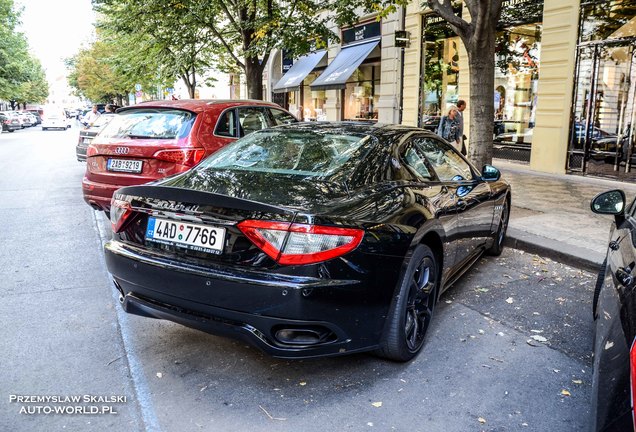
column 490, row 174
column 610, row 202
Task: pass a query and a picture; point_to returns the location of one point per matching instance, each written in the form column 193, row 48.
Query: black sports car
column 614, row 304
column 310, row 239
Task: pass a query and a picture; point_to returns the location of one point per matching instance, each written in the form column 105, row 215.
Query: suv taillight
column 120, row 211
column 187, row 157
column 298, row 244
column 91, row 151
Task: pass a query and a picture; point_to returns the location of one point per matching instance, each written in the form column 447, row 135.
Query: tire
column 498, row 244
column 600, row 277
column 11, row 130
column 412, row 308
column 44, row 128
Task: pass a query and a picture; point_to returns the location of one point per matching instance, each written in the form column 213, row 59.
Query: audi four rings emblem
column 122, row 150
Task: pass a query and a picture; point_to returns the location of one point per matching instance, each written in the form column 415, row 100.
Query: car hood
column 309, row 194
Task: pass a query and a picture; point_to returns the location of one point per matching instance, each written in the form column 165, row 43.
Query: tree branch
column 229, row 16
column 445, row 10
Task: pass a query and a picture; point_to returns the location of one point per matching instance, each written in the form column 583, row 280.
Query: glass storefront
column 307, row 104
column 313, row 100
column 361, row 93
column 604, row 110
column 517, row 60
column 440, row 70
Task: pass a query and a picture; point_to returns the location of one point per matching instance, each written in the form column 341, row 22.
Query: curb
column 575, row 256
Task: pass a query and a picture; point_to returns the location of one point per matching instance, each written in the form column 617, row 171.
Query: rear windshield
column 310, row 153
column 150, row 123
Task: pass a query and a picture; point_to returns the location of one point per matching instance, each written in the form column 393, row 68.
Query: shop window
column 601, row 20
column 517, row 57
column 361, row 94
column 313, row 108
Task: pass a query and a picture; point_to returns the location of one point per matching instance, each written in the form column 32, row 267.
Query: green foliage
column 182, row 38
column 93, row 76
column 22, row 77
column 159, row 41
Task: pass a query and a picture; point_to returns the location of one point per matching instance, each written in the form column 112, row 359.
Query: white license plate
column 204, row 238
column 124, row 165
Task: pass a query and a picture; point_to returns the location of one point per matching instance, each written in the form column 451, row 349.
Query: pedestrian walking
column 449, row 127
column 461, row 106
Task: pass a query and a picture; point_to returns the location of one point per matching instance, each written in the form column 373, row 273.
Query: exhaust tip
column 304, row 336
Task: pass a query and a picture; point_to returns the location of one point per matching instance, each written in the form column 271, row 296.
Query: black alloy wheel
column 498, row 245
column 412, row 309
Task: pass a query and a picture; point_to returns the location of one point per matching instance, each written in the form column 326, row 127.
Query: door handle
column 624, row 276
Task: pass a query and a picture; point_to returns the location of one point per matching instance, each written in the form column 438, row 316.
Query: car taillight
column 297, row 244
column 188, row 157
column 91, row 151
column 632, row 378
column 120, row 211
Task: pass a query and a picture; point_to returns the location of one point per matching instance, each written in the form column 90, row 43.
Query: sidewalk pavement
column 551, row 214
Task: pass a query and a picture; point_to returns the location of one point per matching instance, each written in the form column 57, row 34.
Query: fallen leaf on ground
column 509, row 300
column 565, row 393
column 302, row 383
column 539, row 338
column 159, row 375
column 377, row 404
column 577, row 381
column 481, row 420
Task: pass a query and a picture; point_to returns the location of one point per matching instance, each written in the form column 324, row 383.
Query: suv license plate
column 198, row 237
column 124, row 165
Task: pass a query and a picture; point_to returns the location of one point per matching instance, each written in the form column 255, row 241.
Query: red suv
column 152, row 140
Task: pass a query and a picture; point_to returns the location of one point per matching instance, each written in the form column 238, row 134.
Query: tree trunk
column 254, row 78
column 482, row 112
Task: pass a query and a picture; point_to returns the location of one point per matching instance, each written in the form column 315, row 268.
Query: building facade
column 358, row 79
column 565, row 80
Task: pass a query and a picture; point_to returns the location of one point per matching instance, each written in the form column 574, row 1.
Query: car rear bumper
column 255, row 306
column 98, row 195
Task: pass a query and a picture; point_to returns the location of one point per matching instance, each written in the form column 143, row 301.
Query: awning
column 341, row 68
column 294, row 77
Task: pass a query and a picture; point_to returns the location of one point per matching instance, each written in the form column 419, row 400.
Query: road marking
column 140, row 385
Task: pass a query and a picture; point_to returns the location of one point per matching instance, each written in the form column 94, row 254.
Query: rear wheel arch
column 434, row 242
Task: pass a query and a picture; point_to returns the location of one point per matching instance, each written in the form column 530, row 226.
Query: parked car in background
column 25, row 119
column 33, row 118
column 37, row 115
column 152, row 140
column 431, row 122
column 309, row 239
column 55, row 119
column 614, row 312
column 87, row 134
column 9, row 123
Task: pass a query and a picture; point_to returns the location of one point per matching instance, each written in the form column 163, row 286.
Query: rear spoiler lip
column 189, row 201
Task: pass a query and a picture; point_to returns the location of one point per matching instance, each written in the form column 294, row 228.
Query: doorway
column 601, row 133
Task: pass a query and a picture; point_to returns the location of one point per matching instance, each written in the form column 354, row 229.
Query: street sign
column 137, row 87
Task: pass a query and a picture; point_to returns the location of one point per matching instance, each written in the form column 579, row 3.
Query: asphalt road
column 508, row 349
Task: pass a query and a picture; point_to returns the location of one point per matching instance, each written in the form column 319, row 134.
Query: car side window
column 226, row 124
column 251, row 120
column 417, row 163
column 280, row 117
column 446, row 162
